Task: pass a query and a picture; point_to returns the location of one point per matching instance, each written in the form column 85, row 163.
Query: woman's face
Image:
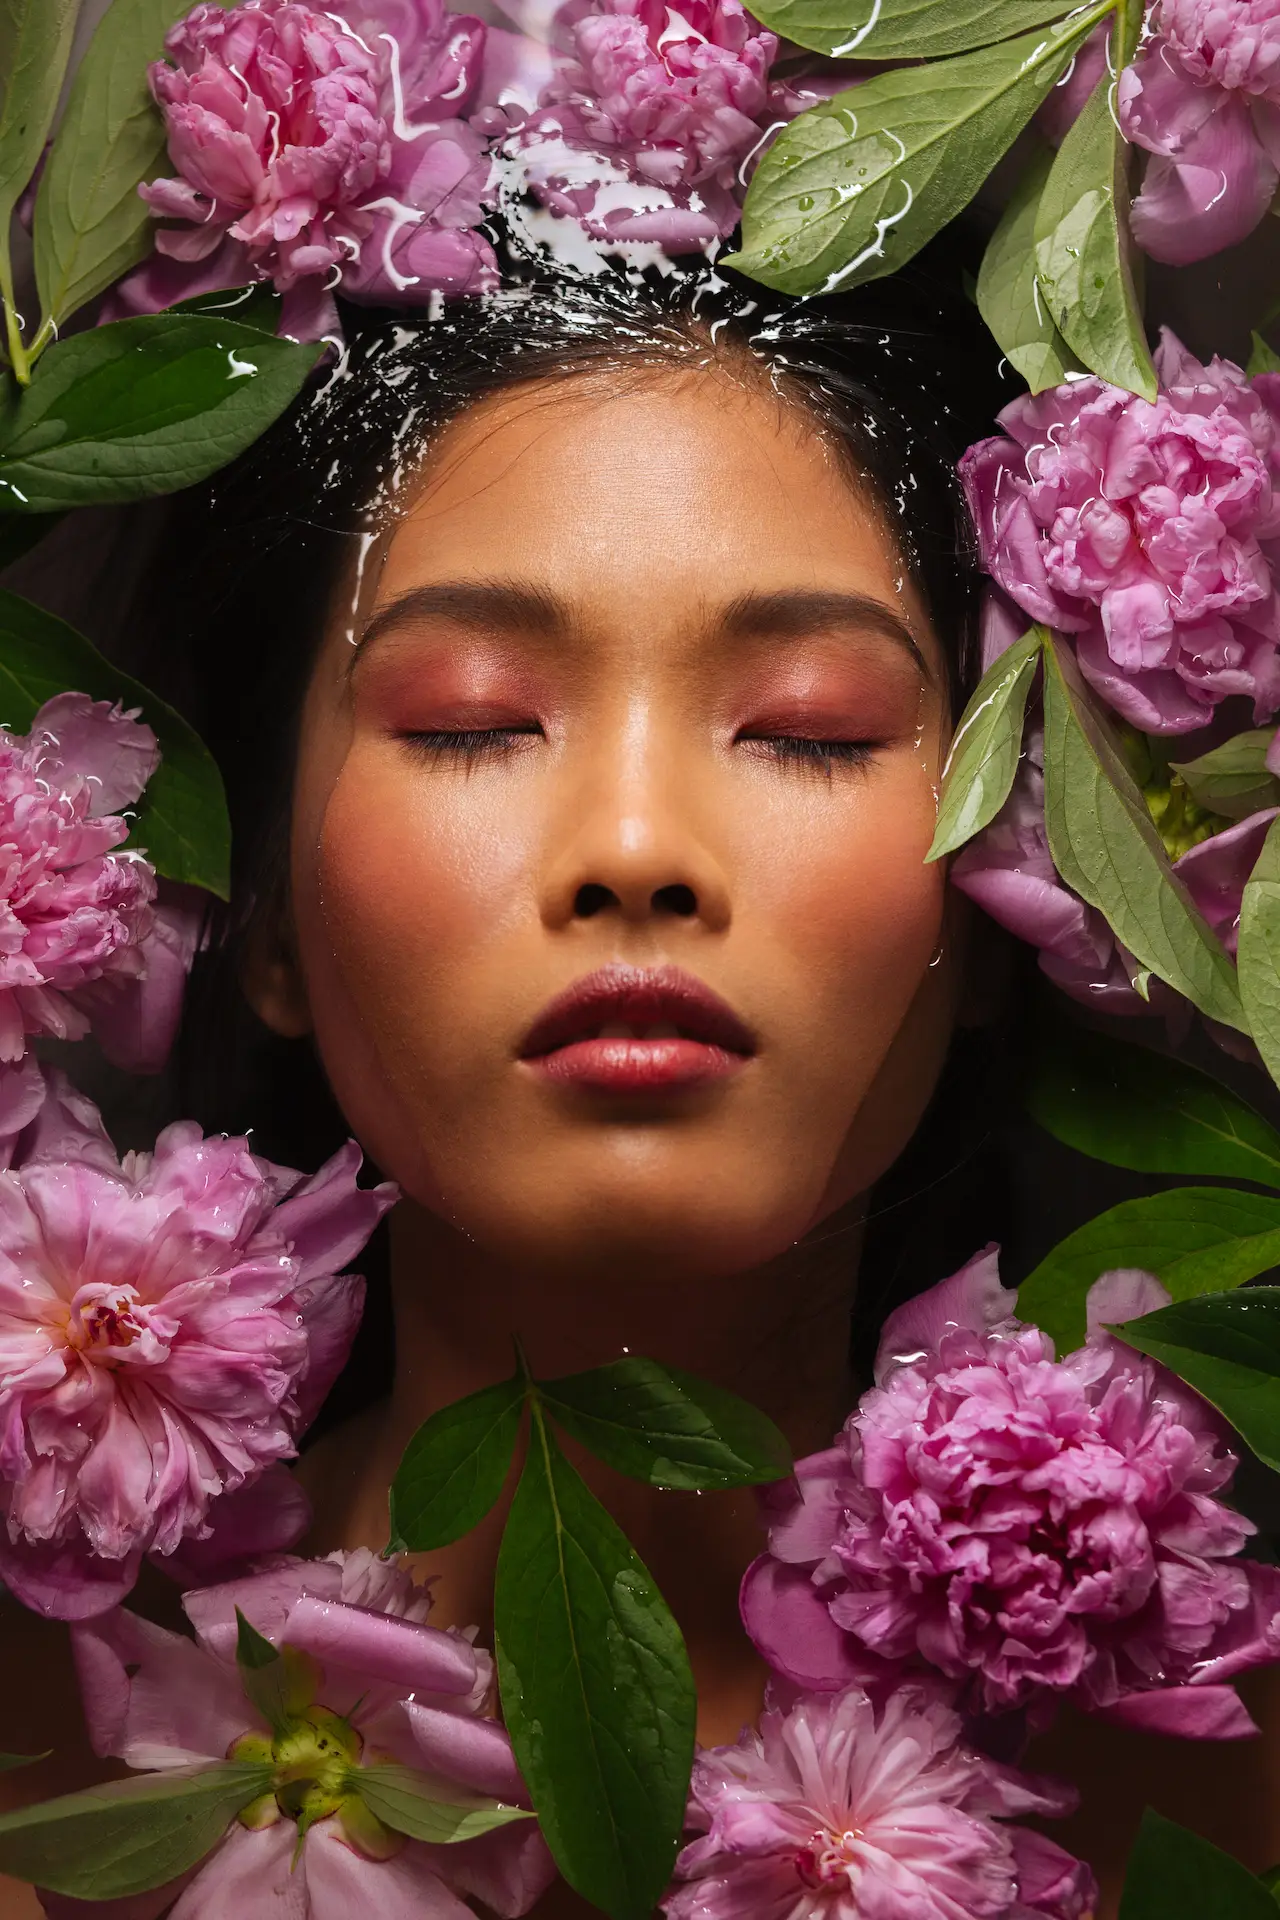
column 610, row 900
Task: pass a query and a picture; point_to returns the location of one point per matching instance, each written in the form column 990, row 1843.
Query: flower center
column 112, row 1325
column 829, row 1857
column 312, row 1758
column 1180, row 820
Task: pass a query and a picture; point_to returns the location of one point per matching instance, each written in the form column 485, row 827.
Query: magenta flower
column 319, row 152
column 1147, row 531
column 83, row 941
column 1032, row 1528
column 650, row 118
column 1203, row 96
column 371, row 1683
column 168, row 1325
column 835, row 1810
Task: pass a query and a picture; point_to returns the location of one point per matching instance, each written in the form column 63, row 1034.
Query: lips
column 638, row 1030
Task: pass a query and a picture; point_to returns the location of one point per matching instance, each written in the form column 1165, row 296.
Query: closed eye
column 469, row 746
column 819, row 756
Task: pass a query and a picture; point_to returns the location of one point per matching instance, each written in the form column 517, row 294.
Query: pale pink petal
column 268, row 1515
column 154, row 1698
column 1211, row 195
column 250, row 1876
column 506, row 1870
column 96, row 741
column 790, row 1625
column 1188, row 1713
column 342, row 1883
column 475, row 1752
column 972, row 1299
column 1127, row 1293
column 416, row 1658
column 65, row 1582
column 328, row 1219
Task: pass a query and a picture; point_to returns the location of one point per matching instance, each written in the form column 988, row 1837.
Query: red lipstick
column 628, row 1030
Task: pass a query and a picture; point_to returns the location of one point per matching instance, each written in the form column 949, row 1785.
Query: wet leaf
column 903, row 29
column 987, row 746
column 143, row 407
column 1009, row 296
column 1196, row 1240
column 667, row 1428
column 35, row 40
column 1175, row 1875
column 454, row 1468
column 1233, row 779
column 597, row 1692
column 1105, row 846
column 1258, row 950
column 181, row 821
column 401, row 1800
column 258, row 306
column 1136, row 1108
column 130, row 1835
column 854, row 187
column 1082, row 249
column 1226, row 1346
column 1263, row 359
column 263, row 1673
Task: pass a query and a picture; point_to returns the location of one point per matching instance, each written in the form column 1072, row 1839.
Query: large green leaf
column 1105, row 846
column 1226, row 1346
column 1258, row 952
column 130, row 1835
column 855, row 186
column 1175, row 1875
column 1082, row 249
column 984, row 753
column 903, row 29
column 1009, row 297
column 10, row 1761
column 596, row 1688
column 35, row 40
column 1135, row 1108
column 1262, row 359
column 90, row 225
column 1233, row 779
column 667, row 1428
column 1196, row 1239
column 182, row 817
column 454, row 1468
column 142, row 407
column 402, row 1799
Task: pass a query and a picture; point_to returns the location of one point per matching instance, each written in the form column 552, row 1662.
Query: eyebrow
column 507, row 607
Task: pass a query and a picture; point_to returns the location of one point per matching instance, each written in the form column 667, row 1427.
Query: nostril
column 592, row 899
column 681, row 900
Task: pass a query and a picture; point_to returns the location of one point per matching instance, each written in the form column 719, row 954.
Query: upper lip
column 639, row 998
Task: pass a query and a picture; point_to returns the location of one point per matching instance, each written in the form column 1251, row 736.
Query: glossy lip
column 709, row 1041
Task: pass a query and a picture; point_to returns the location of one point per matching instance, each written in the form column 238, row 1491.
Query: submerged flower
column 1030, row 1527
column 369, row 1684
column 1203, row 97
column 835, row 1810
column 82, row 940
column 1147, row 531
column 168, row 1325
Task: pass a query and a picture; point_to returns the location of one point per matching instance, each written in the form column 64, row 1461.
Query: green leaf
column 401, row 1800
column 1106, row 847
column 253, row 1650
column 10, row 1761
column 667, row 1428
column 182, row 817
column 1233, row 779
column 597, row 1693
column 130, row 1835
column 1135, row 1108
column 142, row 407
column 1226, row 1346
column 258, row 306
column 1175, row 1875
column 1009, row 297
column 454, row 1468
column 1082, row 249
column 90, row 225
column 1263, row 359
column 903, row 29
column 35, row 40
column 854, row 187
column 1258, row 951
column 988, row 742
column 1196, row 1239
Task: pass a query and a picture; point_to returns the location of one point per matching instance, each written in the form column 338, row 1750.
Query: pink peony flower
column 835, row 1810
column 1203, row 97
column 370, row 1681
column 319, row 152
column 1146, row 530
column 645, row 128
column 83, row 941
column 168, row 1325
column 1032, row 1528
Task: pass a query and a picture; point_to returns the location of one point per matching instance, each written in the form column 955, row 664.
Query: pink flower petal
column 972, row 1299
column 790, row 1625
column 1211, row 195
column 95, row 741
column 65, row 1582
column 250, row 1876
column 154, row 1698
column 1188, row 1713
column 328, row 1219
column 417, row 1658
column 475, row 1752
column 342, row 1883
column 268, row 1515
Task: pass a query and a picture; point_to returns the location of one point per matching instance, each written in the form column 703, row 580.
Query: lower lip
column 638, row 1066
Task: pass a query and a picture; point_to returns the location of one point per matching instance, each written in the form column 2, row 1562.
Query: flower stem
column 19, row 359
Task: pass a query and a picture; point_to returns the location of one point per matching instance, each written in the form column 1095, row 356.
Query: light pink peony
column 83, row 941
column 321, row 152
column 1147, row 531
column 382, row 1687
column 168, row 1325
column 1203, row 96
column 1032, row 1528
column 835, row 1810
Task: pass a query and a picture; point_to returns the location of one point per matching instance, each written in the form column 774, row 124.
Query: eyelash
column 473, row 745
column 818, row 756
